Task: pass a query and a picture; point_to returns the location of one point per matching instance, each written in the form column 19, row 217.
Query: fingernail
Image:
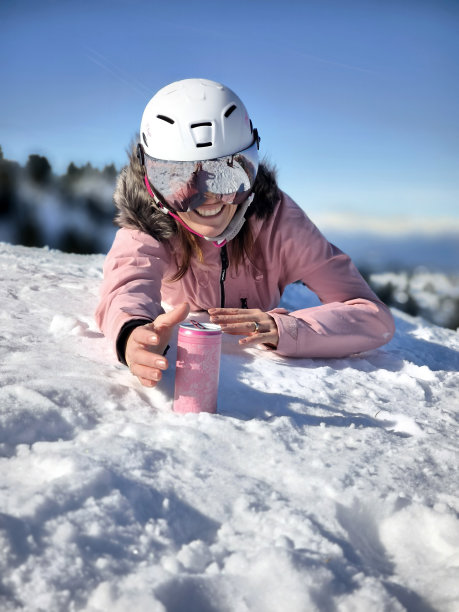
column 161, row 363
column 154, row 338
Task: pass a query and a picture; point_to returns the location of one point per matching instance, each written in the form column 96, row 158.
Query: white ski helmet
column 195, row 120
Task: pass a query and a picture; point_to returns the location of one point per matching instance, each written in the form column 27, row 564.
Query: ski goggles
column 185, row 185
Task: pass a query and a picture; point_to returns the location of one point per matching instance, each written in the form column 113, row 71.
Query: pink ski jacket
column 287, row 248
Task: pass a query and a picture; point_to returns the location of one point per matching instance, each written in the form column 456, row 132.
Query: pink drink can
column 198, row 367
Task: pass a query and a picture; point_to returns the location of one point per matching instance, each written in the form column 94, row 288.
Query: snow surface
column 325, row 485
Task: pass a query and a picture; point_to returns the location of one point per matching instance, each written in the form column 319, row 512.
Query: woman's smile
column 205, row 211
column 209, row 219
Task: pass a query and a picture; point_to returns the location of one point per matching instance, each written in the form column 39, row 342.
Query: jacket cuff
column 124, row 334
column 287, row 327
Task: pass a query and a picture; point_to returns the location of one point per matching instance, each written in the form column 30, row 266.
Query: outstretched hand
column 257, row 326
column 146, row 344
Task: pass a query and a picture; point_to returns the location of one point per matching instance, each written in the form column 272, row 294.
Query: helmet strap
column 234, row 226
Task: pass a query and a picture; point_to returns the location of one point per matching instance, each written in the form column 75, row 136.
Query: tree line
column 72, row 212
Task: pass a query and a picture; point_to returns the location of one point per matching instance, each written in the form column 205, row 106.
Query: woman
column 205, row 227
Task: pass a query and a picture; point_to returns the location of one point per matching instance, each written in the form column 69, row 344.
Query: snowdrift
column 320, row 485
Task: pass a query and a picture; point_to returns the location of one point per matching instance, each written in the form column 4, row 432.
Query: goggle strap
column 234, row 226
column 164, row 209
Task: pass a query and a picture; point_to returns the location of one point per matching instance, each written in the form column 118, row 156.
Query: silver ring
column 257, row 327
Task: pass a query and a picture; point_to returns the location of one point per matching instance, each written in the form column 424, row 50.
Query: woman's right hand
column 146, row 344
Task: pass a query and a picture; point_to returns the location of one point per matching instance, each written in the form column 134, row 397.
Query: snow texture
column 326, row 485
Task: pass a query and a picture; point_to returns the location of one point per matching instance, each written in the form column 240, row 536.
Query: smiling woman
column 204, row 227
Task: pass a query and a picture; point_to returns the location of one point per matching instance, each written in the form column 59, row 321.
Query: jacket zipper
column 224, row 258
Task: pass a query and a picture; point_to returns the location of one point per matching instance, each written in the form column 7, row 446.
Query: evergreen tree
column 110, row 171
column 72, row 170
column 39, row 169
column 8, row 178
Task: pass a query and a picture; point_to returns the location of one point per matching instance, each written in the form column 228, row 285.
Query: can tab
column 197, row 324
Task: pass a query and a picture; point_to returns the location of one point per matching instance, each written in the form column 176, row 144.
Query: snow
column 320, row 484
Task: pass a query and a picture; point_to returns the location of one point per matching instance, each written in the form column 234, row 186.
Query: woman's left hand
column 257, row 326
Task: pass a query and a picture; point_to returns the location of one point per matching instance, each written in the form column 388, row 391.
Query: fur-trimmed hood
column 137, row 211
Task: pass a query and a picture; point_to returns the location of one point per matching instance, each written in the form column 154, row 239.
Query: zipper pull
column 224, row 258
column 225, row 262
column 244, row 303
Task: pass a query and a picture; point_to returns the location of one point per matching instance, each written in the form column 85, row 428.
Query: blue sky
column 356, row 101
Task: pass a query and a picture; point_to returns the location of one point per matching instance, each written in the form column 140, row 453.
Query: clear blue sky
column 357, row 102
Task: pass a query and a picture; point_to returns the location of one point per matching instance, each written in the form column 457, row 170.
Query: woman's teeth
column 209, row 212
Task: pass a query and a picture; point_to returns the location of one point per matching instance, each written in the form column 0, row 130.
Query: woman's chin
column 208, row 230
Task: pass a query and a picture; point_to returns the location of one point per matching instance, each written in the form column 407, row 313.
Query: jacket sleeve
column 131, row 289
column 351, row 318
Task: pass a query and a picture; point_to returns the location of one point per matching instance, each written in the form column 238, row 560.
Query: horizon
column 338, row 223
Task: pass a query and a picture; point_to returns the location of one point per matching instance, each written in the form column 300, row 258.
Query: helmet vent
column 164, row 118
column 202, row 133
column 230, row 110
